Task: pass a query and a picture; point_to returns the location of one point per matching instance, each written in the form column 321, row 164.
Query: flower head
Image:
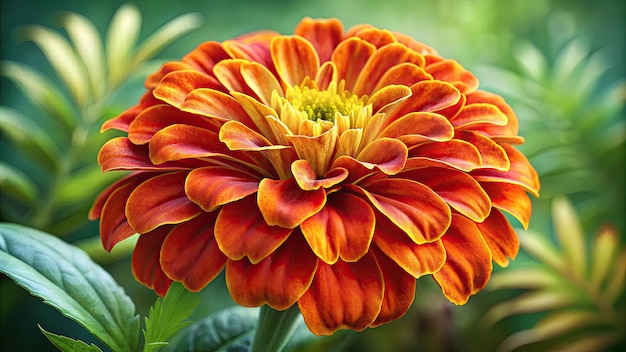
column 327, row 169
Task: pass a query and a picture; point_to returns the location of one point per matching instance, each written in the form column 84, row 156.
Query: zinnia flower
column 327, row 169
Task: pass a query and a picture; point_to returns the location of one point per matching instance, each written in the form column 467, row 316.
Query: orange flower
column 327, row 169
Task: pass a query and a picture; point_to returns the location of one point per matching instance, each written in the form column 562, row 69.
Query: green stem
column 274, row 329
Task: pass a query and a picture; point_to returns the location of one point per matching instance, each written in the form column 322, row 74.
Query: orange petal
column 284, row 203
column 205, row 56
column 386, row 154
column 418, row 127
column 405, row 74
column 153, row 79
column 252, row 47
column 103, row 196
column 479, row 113
column 214, row 186
column 350, row 56
column 326, row 74
column 388, row 97
column 416, row 259
column 343, row 296
column 510, row 130
column 122, row 121
column 324, row 34
column 458, row 189
column 454, row 153
column 261, row 80
column 157, row 117
column 343, row 228
column 511, row 198
column 145, row 261
column 450, row 71
column 278, row 281
column 500, row 237
column 491, row 153
column 216, row 105
column 399, row 290
column 121, row 154
column 468, row 264
column 521, row 172
column 295, row 59
column 113, row 224
column 228, row 72
column 316, row 150
column 428, row 96
column 306, row 179
column 175, row 86
column 238, row 136
column 377, row 37
column 240, row 231
column 257, row 112
column 356, row 170
column 158, row 201
column 378, row 64
column 411, row 206
column 178, row 142
column 190, row 254
column 414, row 44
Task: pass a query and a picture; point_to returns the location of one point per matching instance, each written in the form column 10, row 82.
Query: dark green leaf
column 68, row 280
column 17, row 184
column 168, row 315
column 67, row 344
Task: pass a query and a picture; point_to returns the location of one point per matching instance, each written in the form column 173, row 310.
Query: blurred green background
column 559, row 63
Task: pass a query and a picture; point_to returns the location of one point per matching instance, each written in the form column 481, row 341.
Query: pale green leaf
column 67, row 344
column 528, row 302
column 40, row 91
column 93, row 246
column 121, row 38
column 531, row 60
column 83, row 185
column 604, row 250
column 570, row 234
column 68, row 280
column 523, row 278
column 168, row 315
column 165, row 35
column 617, row 282
column 62, row 58
column 88, row 44
column 26, row 134
column 230, row 329
column 540, row 248
column 16, row 183
column 596, row 341
column 570, row 57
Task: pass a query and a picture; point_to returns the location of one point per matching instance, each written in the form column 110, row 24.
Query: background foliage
column 559, row 63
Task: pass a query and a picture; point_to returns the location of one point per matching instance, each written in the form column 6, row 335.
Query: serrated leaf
column 40, row 91
column 227, row 330
column 63, row 60
column 28, row 135
column 67, row 344
column 121, row 38
column 165, row 35
column 168, row 315
column 88, row 44
column 16, row 183
column 68, row 280
column 570, row 234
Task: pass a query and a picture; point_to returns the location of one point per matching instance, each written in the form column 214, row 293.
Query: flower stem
column 274, row 329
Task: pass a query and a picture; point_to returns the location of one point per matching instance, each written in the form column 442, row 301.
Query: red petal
column 350, row 56
column 153, row 79
column 158, row 117
column 213, row 186
column 216, row 105
column 305, row 176
column 416, row 259
column 252, row 47
column 492, row 154
column 521, row 172
column 278, row 281
column 343, row 296
column 294, row 58
column 405, row 74
column 378, row 37
column 458, row 189
column 324, row 34
column 205, row 56
column 511, row 198
column 316, row 150
column 158, row 201
column 283, row 203
column 178, row 142
column 414, row 44
column 190, row 254
column 241, row 231
column 228, row 72
column 501, row 132
column 479, row 113
column 454, row 153
column 418, row 127
column 122, row 121
column 343, row 228
column 411, row 206
column 428, row 96
column 175, row 86
column 145, row 261
column 399, row 290
column 500, row 237
column 451, row 71
column 386, row 154
column 468, row 264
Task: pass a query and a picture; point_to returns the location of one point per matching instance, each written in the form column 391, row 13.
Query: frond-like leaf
column 570, row 234
column 16, row 183
column 121, row 38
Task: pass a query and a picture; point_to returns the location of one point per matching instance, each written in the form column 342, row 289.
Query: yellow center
column 322, row 105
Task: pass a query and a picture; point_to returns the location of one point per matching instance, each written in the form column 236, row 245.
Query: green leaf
column 68, row 280
column 40, row 91
column 570, row 235
column 120, row 40
column 230, row 330
column 17, row 184
column 61, row 56
column 165, row 35
column 83, row 185
column 67, row 344
column 167, row 316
